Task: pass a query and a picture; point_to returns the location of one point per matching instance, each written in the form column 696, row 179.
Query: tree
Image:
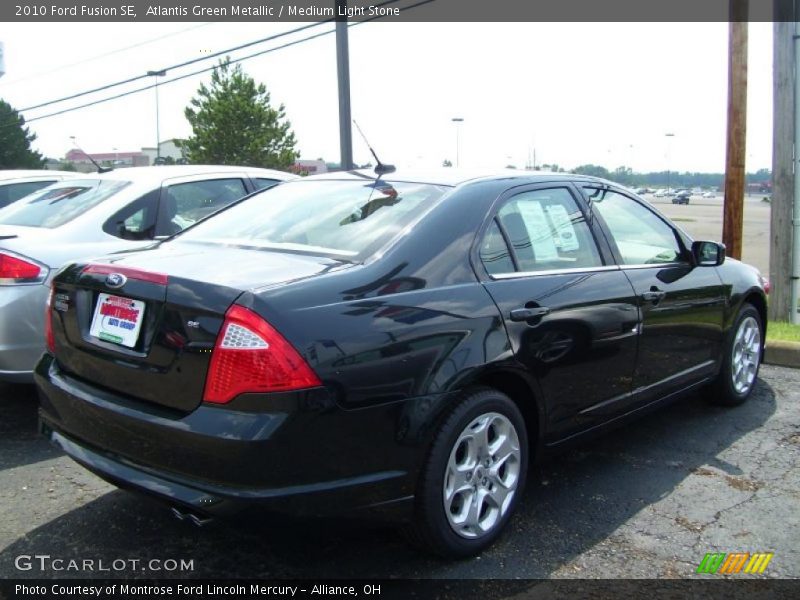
column 593, row 170
column 15, row 141
column 233, row 123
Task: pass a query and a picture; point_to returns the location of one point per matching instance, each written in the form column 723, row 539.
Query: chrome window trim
column 518, row 274
column 655, row 265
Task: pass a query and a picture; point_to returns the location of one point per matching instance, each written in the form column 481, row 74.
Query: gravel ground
column 647, row 501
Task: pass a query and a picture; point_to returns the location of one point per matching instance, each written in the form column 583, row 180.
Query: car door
column 681, row 305
column 185, row 201
column 570, row 313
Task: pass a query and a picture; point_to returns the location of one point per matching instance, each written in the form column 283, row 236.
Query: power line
column 178, row 66
column 210, row 56
column 180, row 77
column 105, row 54
column 205, row 70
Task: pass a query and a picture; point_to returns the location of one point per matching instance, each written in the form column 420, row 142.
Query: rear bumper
column 317, row 460
column 21, row 330
column 337, row 497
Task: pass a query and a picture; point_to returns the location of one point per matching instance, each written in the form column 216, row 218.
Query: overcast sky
column 576, row 93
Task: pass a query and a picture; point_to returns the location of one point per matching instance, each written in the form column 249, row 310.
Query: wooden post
column 733, row 210
column 780, row 231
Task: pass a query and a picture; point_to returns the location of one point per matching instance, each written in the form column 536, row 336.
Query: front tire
column 741, row 359
column 473, row 478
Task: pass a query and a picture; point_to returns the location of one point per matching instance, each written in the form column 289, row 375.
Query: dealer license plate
column 117, row 320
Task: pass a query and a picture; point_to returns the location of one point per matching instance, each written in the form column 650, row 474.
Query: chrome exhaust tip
column 193, row 518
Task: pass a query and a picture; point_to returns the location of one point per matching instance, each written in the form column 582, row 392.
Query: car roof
column 160, row 173
column 10, row 174
column 449, row 176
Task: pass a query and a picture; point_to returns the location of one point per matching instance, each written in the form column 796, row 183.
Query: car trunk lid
column 176, row 299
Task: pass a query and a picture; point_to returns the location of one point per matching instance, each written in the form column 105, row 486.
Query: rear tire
column 741, row 359
column 473, row 478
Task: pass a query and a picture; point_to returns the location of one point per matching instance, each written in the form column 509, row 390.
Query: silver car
column 94, row 215
column 15, row 184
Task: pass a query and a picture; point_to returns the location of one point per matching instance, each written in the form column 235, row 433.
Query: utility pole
column 156, row 75
column 783, row 129
column 343, row 70
column 733, row 211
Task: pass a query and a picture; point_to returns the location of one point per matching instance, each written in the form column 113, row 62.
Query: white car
column 709, row 195
column 15, row 184
column 94, row 215
column 660, row 193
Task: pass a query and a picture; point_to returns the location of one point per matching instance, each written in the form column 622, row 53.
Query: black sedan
column 400, row 346
column 682, row 197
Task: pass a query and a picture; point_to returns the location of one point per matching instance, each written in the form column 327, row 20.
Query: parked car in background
column 660, row 193
column 709, row 195
column 682, row 197
column 93, row 215
column 402, row 345
column 15, row 184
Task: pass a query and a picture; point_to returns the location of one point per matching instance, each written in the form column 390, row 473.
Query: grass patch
column 783, row 332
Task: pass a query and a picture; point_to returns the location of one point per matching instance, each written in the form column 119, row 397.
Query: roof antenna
column 94, row 162
column 380, row 168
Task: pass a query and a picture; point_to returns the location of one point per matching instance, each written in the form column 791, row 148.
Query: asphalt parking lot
column 648, row 501
column 702, row 219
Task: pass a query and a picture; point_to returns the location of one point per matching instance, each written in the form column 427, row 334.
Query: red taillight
column 48, row 324
column 251, row 356
column 16, row 269
column 129, row 272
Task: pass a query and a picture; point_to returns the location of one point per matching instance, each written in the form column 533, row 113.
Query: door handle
column 526, row 314
column 654, row 295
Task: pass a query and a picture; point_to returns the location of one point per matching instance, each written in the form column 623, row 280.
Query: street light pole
column 458, row 121
column 157, row 74
column 669, row 135
column 343, row 79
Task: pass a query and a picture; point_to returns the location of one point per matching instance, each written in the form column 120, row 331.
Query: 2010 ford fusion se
column 399, row 345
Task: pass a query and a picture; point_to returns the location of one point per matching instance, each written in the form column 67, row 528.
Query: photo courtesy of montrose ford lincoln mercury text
column 402, row 346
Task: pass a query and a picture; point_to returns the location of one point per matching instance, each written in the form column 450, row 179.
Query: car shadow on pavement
column 572, row 503
column 20, row 443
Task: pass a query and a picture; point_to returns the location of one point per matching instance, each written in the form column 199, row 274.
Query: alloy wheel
column 482, row 475
column 746, row 355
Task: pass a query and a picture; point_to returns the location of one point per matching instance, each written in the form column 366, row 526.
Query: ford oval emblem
column 116, row 280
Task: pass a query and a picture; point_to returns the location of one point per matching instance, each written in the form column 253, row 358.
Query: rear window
column 346, row 219
column 11, row 192
column 56, row 205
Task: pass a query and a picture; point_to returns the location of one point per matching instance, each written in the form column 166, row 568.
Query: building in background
column 309, row 167
column 82, row 162
column 169, row 149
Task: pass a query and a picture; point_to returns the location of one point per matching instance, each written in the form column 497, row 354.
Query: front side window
column 547, row 231
column 641, row 237
column 61, row 203
column 350, row 219
column 263, row 184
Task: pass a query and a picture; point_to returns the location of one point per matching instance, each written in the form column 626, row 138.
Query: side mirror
column 708, row 254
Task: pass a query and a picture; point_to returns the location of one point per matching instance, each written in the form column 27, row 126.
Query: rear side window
column 494, row 252
column 54, row 206
column 187, row 203
column 137, row 221
column 547, row 231
column 14, row 191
